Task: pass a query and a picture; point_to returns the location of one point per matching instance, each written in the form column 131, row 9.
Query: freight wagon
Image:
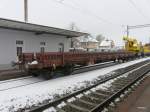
column 49, row 62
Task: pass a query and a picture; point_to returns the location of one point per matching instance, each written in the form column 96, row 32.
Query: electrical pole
column 26, row 11
column 136, row 26
column 127, row 31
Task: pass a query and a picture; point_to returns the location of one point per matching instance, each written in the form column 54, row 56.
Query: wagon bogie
column 34, row 72
column 68, row 69
column 47, row 73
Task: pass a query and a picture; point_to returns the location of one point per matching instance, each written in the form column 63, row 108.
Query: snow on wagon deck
column 13, row 99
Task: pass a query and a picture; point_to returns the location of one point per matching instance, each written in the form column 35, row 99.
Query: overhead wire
column 91, row 13
column 70, row 6
column 139, row 10
column 85, row 10
column 98, row 17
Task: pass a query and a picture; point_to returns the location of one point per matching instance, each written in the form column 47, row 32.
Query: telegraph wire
column 91, row 13
column 83, row 10
column 138, row 10
column 96, row 16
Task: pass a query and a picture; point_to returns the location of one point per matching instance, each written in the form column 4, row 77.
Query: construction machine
column 132, row 45
column 146, row 48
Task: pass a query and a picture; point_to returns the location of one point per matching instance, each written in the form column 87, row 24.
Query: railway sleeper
column 110, row 109
column 117, row 87
column 78, row 108
column 121, row 81
column 94, row 98
column 59, row 109
column 86, row 102
column 105, row 92
column 114, row 89
column 89, row 99
column 68, row 108
column 83, row 104
column 99, row 94
column 119, row 84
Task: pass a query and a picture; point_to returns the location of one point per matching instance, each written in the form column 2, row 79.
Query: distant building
column 89, row 43
column 107, row 45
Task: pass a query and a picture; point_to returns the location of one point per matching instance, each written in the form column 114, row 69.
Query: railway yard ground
column 28, row 92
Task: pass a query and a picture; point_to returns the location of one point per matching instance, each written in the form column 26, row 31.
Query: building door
column 19, row 47
column 61, row 47
column 19, row 51
column 42, row 49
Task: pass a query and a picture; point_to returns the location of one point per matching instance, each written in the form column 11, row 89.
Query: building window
column 19, row 42
column 19, row 51
column 42, row 49
column 43, row 43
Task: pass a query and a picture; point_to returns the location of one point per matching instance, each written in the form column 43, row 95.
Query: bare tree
column 100, row 38
column 73, row 27
column 74, row 41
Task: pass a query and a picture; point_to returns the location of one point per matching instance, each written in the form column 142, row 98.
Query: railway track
column 94, row 67
column 29, row 80
column 96, row 99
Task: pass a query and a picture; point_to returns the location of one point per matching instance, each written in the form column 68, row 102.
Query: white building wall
column 31, row 44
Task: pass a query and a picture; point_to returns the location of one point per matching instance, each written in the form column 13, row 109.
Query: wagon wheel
column 68, row 69
column 33, row 73
column 47, row 74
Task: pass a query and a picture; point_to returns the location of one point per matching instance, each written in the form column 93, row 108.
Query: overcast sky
column 105, row 17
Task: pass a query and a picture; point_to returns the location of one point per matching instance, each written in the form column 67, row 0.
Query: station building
column 17, row 37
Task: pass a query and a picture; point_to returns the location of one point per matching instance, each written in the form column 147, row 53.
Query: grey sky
column 86, row 14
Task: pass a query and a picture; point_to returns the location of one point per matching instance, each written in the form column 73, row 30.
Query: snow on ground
column 13, row 99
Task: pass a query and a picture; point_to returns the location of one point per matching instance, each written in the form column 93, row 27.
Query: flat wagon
column 49, row 62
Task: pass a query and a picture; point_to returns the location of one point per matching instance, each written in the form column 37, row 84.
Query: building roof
column 38, row 29
column 105, row 43
column 88, row 39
